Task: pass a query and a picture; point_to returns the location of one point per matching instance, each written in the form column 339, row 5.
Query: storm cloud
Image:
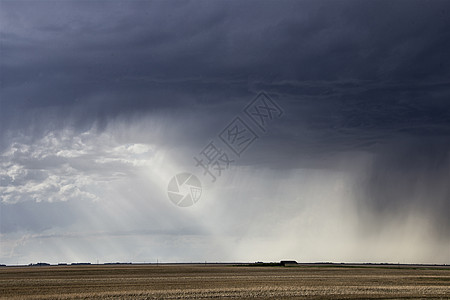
column 103, row 102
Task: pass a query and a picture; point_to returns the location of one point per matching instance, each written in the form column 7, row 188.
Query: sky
column 102, row 103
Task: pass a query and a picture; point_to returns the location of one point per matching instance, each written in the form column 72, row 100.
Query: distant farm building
column 39, row 264
column 288, row 263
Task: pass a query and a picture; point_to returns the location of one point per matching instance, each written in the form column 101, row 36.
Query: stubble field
column 222, row 281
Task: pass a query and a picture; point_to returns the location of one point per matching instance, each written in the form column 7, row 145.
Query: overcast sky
column 102, row 103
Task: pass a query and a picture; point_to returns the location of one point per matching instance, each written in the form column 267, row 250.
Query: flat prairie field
column 207, row 281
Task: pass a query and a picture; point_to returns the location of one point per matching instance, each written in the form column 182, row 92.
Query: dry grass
column 221, row 281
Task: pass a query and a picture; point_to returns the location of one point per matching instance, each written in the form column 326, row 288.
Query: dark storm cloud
column 138, row 56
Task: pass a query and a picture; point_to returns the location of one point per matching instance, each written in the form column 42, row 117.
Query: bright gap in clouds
column 66, row 166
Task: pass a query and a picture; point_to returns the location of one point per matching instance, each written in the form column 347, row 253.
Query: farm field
column 222, row 281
